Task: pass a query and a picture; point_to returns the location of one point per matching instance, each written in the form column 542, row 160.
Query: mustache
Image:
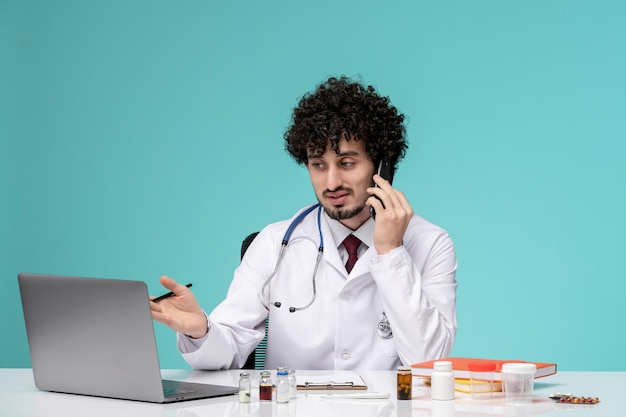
column 338, row 189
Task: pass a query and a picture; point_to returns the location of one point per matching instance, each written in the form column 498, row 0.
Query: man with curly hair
column 345, row 289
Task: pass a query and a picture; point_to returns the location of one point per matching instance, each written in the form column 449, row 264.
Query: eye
column 317, row 165
column 347, row 164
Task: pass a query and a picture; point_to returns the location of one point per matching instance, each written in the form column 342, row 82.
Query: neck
column 357, row 221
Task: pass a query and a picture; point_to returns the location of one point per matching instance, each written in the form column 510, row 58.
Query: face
column 341, row 180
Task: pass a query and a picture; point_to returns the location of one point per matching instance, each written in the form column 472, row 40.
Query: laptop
column 95, row 336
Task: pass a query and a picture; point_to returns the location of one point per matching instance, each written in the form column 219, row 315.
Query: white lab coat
column 414, row 285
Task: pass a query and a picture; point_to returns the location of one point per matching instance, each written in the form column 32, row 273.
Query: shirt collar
column 365, row 233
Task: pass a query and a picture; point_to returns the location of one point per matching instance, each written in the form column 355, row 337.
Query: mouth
column 337, row 198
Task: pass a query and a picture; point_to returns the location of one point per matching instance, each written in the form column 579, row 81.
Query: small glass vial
column 442, row 381
column 405, row 383
column 244, row 387
column 265, row 386
column 282, row 386
column 293, row 384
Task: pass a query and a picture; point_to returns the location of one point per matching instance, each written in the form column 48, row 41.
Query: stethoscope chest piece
column 384, row 328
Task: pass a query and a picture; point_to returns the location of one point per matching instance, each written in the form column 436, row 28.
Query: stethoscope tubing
column 283, row 246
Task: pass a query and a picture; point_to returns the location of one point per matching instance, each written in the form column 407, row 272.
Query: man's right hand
column 181, row 312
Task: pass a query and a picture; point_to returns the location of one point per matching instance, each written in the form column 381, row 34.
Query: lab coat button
column 345, row 295
column 345, row 356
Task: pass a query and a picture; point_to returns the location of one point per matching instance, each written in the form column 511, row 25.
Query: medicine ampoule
column 293, row 384
column 244, row 387
column 282, row 386
column 265, row 386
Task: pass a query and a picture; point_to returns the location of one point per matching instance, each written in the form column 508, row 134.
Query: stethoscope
column 285, row 242
column 384, row 328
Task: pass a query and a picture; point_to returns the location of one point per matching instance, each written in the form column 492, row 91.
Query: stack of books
column 462, row 373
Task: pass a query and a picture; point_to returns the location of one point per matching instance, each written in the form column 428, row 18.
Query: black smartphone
column 385, row 170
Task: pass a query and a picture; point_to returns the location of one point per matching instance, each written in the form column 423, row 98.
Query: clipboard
column 331, row 382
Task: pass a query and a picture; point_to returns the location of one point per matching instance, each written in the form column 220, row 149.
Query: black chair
column 256, row 360
column 246, row 243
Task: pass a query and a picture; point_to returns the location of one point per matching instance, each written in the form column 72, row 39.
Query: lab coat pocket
column 387, row 346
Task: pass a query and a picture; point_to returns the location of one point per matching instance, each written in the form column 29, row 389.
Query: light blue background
column 141, row 138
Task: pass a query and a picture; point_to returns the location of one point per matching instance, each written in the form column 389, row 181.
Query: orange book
column 461, row 371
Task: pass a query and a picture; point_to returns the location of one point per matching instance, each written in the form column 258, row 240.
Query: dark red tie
column 351, row 243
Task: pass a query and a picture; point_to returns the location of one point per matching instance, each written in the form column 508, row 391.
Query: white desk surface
column 20, row 398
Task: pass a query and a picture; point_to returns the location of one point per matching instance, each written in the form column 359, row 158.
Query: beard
column 340, row 213
column 343, row 214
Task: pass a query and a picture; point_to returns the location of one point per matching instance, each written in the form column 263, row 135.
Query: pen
column 357, row 395
column 168, row 295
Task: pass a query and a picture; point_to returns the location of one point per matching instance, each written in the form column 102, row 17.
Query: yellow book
column 463, row 385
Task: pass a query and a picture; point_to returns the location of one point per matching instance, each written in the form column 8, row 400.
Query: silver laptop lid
column 91, row 336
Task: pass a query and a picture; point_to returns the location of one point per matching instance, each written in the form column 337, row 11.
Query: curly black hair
column 341, row 108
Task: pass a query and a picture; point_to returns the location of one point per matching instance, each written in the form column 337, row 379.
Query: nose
column 333, row 178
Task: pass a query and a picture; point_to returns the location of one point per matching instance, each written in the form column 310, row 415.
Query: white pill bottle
column 442, row 381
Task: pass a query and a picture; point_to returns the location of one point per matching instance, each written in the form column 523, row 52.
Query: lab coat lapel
column 331, row 254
